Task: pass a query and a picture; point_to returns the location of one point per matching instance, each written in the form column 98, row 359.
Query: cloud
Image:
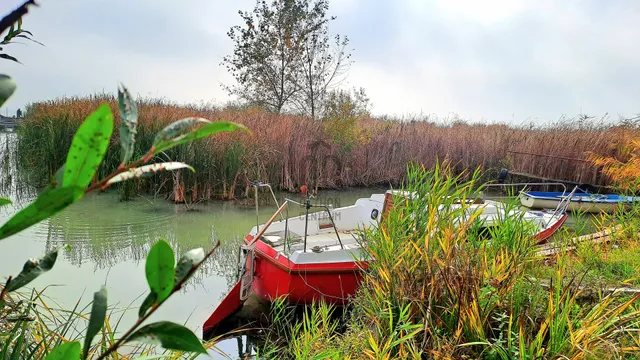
column 501, row 60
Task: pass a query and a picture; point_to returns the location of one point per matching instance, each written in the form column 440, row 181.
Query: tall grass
column 33, row 325
column 289, row 151
column 436, row 290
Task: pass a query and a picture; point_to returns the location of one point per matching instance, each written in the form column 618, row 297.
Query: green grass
column 438, row 291
column 32, row 324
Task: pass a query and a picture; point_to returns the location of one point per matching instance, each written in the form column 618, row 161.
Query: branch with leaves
column 73, row 180
column 13, row 22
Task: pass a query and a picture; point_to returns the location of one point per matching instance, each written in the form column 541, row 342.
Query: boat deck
column 322, row 247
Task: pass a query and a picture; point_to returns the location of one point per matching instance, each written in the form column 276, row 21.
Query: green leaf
column 65, row 351
column 9, row 57
column 96, row 320
column 56, row 180
column 160, row 269
column 147, row 304
column 5, row 201
column 187, row 262
column 88, row 148
column 32, row 269
column 128, row 123
column 170, row 336
column 203, row 131
column 7, row 86
column 148, row 170
column 47, row 204
column 177, row 128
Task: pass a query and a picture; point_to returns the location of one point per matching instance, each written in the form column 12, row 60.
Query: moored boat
column 580, row 202
column 321, row 255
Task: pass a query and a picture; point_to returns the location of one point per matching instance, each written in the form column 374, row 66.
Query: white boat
column 320, row 255
column 580, row 202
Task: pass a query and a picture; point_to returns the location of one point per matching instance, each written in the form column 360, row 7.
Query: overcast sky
column 509, row 60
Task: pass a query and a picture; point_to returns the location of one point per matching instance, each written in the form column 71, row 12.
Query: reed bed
column 289, row 151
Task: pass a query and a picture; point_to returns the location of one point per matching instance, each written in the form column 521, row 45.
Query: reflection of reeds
column 288, row 151
column 116, row 234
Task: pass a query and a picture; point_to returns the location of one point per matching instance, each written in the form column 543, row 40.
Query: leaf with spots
column 148, row 170
column 147, row 304
column 187, row 262
column 200, row 132
column 56, row 179
column 177, row 128
column 160, row 269
column 96, row 319
column 88, row 148
column 7, row 87
column 32, row 269
column 128, row 123
column 48, row 203
column 170, row 336
column 65, row 351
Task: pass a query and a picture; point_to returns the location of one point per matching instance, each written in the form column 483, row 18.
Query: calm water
column 110, row 239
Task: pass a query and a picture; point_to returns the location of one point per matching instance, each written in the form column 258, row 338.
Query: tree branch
column 15, row 15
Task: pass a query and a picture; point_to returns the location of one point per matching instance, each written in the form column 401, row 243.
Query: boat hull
column 275, row 276
column 574, row 206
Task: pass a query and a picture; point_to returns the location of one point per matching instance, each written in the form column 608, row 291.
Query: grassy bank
column 438, row 291
column 288, row 151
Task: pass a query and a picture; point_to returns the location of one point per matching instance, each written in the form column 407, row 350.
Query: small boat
column 320, row 255
column 580, row 201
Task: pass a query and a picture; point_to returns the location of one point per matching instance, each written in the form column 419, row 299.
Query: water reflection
column 109, row 241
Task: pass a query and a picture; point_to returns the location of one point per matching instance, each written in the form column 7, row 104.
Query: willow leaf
column 170, row 336
column 32, row 269
column 128, row 123
column 177, row 128
column 65, row 351
column 148, row 170
column 187, row 262
column 47, row 204
column 88, row 147
column 96, row 319
column 7, row 87
column 160, row 269
column 200, row 132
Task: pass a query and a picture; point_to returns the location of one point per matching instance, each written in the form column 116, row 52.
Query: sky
column 494, row 60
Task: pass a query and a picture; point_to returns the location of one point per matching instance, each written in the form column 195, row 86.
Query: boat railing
column 564, row 187
column 256, row 186
column 562, row 206
column 307, row 205
column 285, row 217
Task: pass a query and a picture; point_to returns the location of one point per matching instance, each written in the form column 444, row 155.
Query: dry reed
column 288, row 151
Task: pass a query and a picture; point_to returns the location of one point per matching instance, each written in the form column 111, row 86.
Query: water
column 110, row 239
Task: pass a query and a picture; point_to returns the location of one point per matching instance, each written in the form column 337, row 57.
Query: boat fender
column 374, row 214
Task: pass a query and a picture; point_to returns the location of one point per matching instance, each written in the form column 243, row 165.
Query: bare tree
column 322, row 66
column 281, row 58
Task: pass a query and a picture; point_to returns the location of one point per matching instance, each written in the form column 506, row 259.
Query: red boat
column 322, row 256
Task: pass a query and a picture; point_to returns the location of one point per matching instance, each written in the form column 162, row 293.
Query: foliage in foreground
column 15, row 31
column 75, row 178
column 438, row 290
